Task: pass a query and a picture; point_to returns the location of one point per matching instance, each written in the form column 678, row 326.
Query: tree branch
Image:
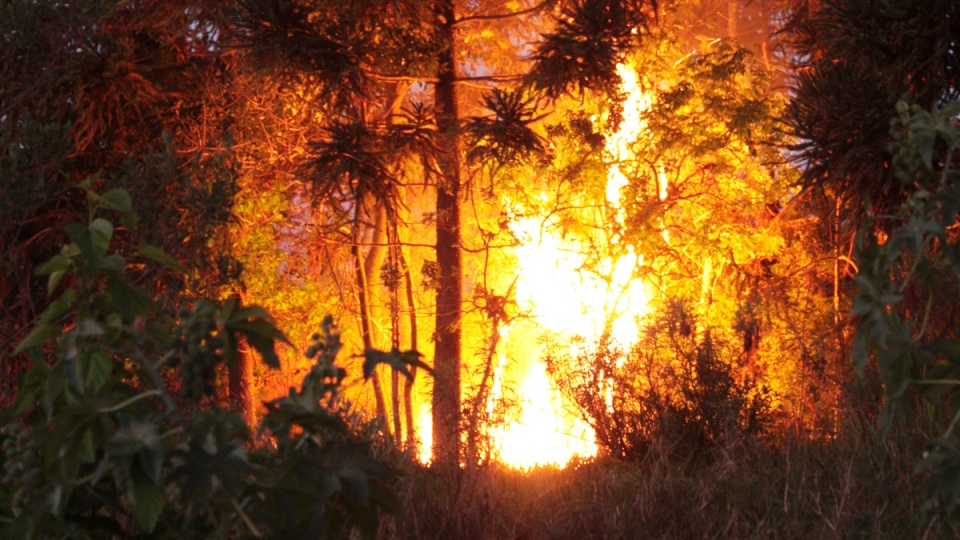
column 503, row 16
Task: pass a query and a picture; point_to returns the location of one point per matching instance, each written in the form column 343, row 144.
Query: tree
column 130, row 95
column 99, row 443
column 853, row 62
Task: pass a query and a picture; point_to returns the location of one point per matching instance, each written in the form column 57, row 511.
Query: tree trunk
column 241, row 391
column 408, row 384
column 446, row 383
column 733, row 9
column 358, row 261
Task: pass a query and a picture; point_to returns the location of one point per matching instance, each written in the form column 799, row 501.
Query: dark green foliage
column 678, row 387
column 910, row 285
column 855, row 60
column 126, row 95
column 590, row 39
column 96, row 446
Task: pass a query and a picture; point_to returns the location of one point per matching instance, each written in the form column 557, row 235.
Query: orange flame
column 566, row 300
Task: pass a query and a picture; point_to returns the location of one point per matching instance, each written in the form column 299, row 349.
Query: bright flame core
column 567, row 299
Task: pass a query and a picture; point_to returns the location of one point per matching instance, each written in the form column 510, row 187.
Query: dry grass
column 859, row 485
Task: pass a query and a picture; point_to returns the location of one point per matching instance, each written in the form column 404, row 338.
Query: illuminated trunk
column 241, row 391
column 408, row 384
column 362, row 300
column 733, row 9
column 446, row 383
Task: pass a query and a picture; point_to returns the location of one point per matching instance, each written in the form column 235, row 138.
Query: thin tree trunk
column 395, row 342
column 733, row 9
column 408, row 384
column 365, row 315
column 447, row 357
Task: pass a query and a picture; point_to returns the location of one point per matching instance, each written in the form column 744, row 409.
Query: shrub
column 97, row 443
column 678, row 385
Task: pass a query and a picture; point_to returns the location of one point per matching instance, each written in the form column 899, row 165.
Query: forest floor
column 860, row 484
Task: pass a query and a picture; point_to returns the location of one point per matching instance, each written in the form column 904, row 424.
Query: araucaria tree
column 394, row 82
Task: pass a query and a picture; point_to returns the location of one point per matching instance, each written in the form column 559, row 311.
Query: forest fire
column 569, row 297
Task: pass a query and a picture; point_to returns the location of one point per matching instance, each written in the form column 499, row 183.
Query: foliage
column 128, row 95
column 909, row 283
column 855, row 60
column 96, row 445
column 590, row 39
column 677, row 387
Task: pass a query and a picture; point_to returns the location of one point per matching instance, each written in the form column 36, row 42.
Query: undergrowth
column 860, row 484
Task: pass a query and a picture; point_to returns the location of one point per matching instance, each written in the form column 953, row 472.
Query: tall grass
column 860, row 484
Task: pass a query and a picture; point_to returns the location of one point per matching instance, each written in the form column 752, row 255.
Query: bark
column 447, row 356
column 241, row 390
column 408, row 384
column 362, row 300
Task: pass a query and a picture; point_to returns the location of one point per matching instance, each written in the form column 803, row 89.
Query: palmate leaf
column 590, row 39
column 505, row 136
column 398, row 360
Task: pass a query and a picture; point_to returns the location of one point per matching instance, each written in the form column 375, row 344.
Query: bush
column 99, row 445
column 678, row 385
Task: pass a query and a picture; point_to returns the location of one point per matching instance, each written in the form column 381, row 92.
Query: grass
column 861, row 484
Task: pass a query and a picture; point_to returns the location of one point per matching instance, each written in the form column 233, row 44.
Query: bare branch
column 503, row 16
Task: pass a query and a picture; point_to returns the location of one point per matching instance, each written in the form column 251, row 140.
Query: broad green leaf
column 30, row 388
column 56, row 263
column 116, row 199
column 147, row 504
column 262, row 336
column 129, row 300
column 96, row 369
column 38, row 337
column 158, row 255
column 59, row 307
column 247, row 313
column 228, row 309
column 101, row 232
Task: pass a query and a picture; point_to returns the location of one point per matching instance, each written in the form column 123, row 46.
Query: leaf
column 147, row 504
column 158, row 255
column 96, row 369
column 396, row 359
column 101, row 231
column 128, row 300
column 247, row 313
column 30, row 388
column 262, row 336
column 59, row 307
column 57, row 264
column 115, row 199
column 38, row 337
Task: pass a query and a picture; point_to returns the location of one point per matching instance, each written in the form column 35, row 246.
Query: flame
column 567, row 299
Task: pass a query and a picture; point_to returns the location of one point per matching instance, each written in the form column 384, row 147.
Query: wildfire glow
column 566, row 298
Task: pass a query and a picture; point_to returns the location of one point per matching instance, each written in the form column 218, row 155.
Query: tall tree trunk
column 358, row 261
column 733, row 9
column 408, row 384
column 447, row 356
column 395, row 341
column 241, row 390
